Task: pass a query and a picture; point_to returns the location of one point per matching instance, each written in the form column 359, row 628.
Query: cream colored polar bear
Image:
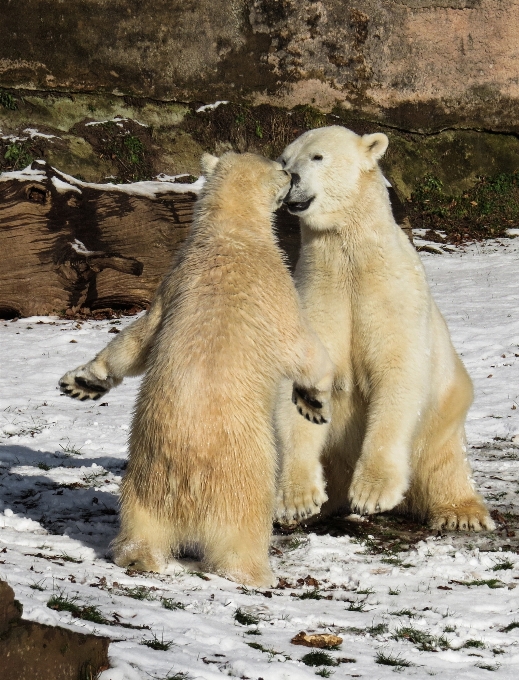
column 224, row 328
column 401, row 393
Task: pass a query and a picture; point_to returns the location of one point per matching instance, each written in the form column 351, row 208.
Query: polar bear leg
column 301, row 488
column 145, row 540
column 125, row 355
column 240, row 553
column 443, row 492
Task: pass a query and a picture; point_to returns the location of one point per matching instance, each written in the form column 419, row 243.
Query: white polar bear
column 224, row 328
column 401, row 393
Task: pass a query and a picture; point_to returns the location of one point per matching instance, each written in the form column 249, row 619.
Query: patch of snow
column 64, row 187
column 32, row 132
column 23, row 175
column 118, row 120
column 62, row 461
column 210, row 107
column 80, row 247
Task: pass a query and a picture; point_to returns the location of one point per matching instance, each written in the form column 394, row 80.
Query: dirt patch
column 125, row 143
column 486, row 210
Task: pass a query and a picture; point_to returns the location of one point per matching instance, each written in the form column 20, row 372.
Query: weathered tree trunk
column 70, row 245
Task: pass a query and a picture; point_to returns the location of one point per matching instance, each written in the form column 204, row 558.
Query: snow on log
column 70, row 245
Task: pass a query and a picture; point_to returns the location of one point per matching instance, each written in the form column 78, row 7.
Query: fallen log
column 68, row 245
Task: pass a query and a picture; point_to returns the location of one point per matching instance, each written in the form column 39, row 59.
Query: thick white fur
column 223, row 330
column 401, row 393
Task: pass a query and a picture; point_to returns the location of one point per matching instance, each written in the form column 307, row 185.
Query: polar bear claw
column 310, row 407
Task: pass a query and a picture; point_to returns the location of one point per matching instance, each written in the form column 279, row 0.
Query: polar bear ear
column 208, row 163
column 375, row 145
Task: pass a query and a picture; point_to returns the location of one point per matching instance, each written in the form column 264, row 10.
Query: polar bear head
column 245, row 179
column 327, row 165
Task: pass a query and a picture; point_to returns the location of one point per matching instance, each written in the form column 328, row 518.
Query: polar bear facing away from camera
column 401, row 393
column 223, row 330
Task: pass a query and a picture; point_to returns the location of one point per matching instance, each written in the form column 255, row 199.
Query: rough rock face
column 415, row 64
column 34, row 651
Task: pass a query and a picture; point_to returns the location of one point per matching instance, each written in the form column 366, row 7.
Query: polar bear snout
column 297, row 200
column 298, row 206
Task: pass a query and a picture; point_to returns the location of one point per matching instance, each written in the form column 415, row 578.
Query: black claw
column 90, row 385
column 300, row 410
column 98, row 396
column 308, row 417
column 316, row 421
column 75, row 395
column 68, row 391
column 84, row 397
column 306, row 397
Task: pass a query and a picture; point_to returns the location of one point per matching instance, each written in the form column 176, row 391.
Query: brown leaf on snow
column 321, row 640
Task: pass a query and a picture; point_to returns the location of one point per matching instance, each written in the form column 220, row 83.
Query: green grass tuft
column 357, row 606
column 7, row 100
column 424, row 641
column 390, row 660
column 244, row 618
column 171, row 604
column 404, row 612
column 159, row 645
column 314, row 594
column 319, row 658
column 138, row 593
column 61, row 603
column 491, row 583
column 505, row 564
column 474, row 644
column 511, row 626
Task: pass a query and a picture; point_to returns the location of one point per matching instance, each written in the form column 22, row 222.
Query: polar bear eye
column 317, row 157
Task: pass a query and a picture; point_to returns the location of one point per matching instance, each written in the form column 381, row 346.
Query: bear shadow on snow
column 88, row 515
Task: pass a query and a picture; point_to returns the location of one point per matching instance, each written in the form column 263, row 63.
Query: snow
column 27, row 174
column 210, row 107
column 148, row 189
column 64, row 187
column 31, row 133
column 80, row 247
column 118, row 120
column 61, row 463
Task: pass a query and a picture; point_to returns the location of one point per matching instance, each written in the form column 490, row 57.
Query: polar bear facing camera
column 224, row 328
column 401, row 393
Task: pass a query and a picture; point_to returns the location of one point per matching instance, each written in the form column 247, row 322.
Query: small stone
column 320, row 640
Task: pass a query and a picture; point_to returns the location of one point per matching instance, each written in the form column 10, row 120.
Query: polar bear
column 401, row 393
column 223, row 329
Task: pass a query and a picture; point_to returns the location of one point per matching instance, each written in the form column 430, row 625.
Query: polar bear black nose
column 295, row 179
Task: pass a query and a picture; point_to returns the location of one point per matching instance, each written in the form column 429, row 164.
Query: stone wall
column 439, row 76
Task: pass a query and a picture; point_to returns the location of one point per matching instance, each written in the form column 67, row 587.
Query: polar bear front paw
column 82, row 384
column 311, row 405
column 370, row 493
column 295, row 502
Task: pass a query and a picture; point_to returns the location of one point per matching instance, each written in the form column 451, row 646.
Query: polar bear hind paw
column 471, row 516
column 83, row 387
column 138, row 556
column 310, row 407
column 295, row 503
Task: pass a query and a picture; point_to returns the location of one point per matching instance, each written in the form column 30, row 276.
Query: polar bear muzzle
column 297, row 206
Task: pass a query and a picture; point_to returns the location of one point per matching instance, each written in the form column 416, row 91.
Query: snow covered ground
column 402, row 598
